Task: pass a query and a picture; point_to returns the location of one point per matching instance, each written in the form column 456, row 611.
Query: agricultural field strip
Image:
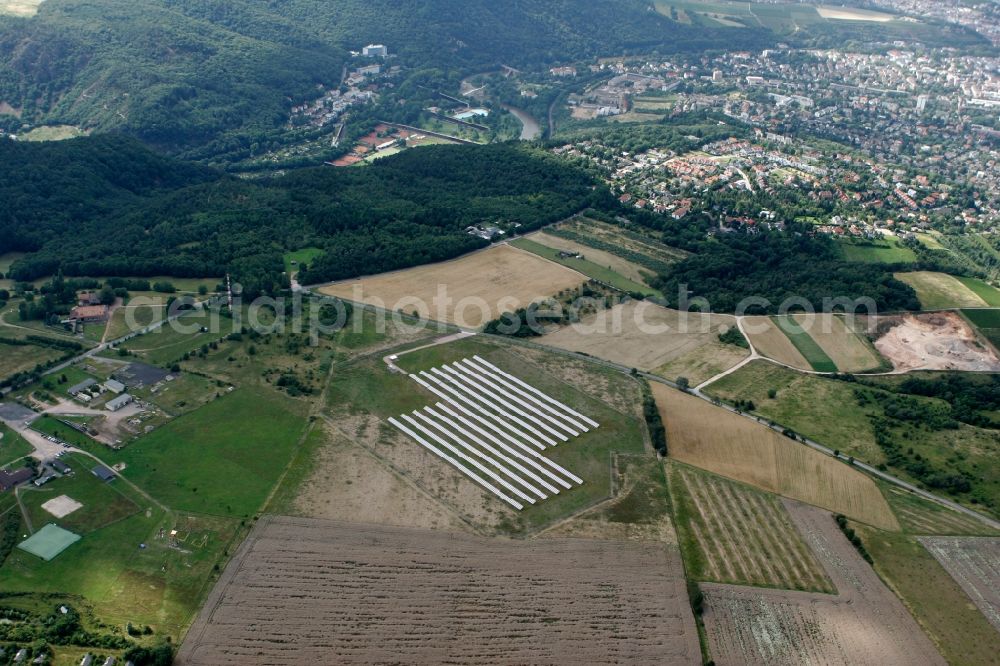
column 778, row 554
column 974, row 563
column 749, row 625
column 480, row 386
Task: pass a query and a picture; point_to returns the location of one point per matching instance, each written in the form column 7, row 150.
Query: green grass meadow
column 885, row 251
column 222, row 459
column 986, row 292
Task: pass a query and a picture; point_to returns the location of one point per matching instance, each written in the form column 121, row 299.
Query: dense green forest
column 776, row 266
column 222, row 73
column 107, row 206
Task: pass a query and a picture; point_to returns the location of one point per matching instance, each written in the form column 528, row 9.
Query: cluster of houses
column 90, row 389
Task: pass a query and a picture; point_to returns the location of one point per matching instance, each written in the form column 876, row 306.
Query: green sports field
column 48, row 542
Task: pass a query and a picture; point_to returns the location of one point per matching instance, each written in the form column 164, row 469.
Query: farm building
column 103, row 473
column 86, row 314
column 88, row 660
column 9, row 479
column 115, row 404
column 114, row 386
column 82, row 386
column 43, row 479
column 88, row 298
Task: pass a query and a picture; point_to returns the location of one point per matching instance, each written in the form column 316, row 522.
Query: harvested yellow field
column 771, row 341
column 852, row 14
column 468, row 291
column 23, row 8
column 712, row 438
column 840, row 341
column 643, row 335
column 621, row 266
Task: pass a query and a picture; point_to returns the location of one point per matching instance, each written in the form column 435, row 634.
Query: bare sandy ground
column 61, row 506
column 936, row 341
column 865, row 623
column 303, row 591
column 348, row 483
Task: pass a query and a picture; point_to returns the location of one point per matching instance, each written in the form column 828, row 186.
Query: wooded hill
column 103, row 206
column 218, row 73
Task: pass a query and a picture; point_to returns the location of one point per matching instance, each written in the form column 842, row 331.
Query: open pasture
column 628, row 243
column 939, row 291
column 481, row 285
column 18, row 358
column 433, row 597
column 974, row 563
column 222, row 459
column 864, row 623
column 985, row 291
column 12, row 446
column 639, row 511
column 735, row 534
column 643, row 335
column 161, row 585
column 294, row 260
column 987, row 322
column 334, row 478
column 712, row 438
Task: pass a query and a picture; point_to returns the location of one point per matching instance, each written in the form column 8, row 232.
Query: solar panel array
column 492, row 427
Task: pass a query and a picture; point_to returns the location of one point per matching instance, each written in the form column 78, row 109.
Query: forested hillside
column 181, row 73
column 108, row 206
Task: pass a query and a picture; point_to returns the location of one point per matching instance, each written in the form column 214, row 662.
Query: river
column 530, row 129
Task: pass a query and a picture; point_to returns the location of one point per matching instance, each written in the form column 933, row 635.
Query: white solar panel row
column 490, row 420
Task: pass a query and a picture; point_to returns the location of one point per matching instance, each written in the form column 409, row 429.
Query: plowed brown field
column 303, row 591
